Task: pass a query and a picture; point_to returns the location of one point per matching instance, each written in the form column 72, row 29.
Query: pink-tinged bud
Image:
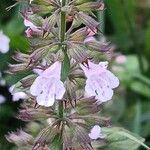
column 28, row 23
column 100, row 81
column 121, row 59
column 32, row 29
column 100, row 6
column 69, row 18
column 29, row 32
column 4, row 43
column 92, row 32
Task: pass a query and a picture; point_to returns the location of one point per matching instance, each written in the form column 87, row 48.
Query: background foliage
column 126, row 23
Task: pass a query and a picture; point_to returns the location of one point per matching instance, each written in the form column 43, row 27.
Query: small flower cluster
column 62, row 37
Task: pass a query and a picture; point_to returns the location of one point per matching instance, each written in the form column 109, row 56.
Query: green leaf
column 140, row 88
column 121, row 139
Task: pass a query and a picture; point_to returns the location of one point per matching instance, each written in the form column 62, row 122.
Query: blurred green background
column 126, row 23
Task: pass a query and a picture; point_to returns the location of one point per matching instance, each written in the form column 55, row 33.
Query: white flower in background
column 2, row 99
column 96, row 132
column 100, row 81
column 4, row 43
column 18, row 95
column 47, row 86
column 2, row 81
column 121, row 59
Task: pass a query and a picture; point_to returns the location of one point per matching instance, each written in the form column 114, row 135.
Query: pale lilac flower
column 47, row 86
column 4, row 43
column 121, row 59
column 2, row 99
column 16, row 96
column 100, row 81
column 96, row 132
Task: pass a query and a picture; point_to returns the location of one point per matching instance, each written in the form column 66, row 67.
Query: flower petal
column 112, row 80
column 95, row 132
column 60, row 89
column 36, row 87
column 53, row 70
column 45, row 99
column 96, row 86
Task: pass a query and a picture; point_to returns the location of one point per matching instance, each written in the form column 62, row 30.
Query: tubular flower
column 4, row 43
column 47, row 86
column 100, row 81
column 96, row 132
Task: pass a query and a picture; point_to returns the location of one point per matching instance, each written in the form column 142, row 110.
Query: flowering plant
column 61, row 63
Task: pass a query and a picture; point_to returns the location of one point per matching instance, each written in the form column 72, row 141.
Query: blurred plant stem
column 101, row 19
column 133, row 35
column 137, row 120
column 62, row 36
column 137, row 46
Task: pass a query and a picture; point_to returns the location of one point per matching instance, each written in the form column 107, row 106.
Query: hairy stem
column 62, row 38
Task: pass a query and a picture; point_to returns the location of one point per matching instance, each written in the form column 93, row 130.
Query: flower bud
column 27, row 81
column 21, row 57
column 79, row 35
column 77, row 52
column 14, row 68
column 97, row 46
column 87, row 20
column 49, row 23
column 19, row 138
column 91, row 6
column 31, row 114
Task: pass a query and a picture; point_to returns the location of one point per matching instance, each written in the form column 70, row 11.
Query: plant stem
column 62, row 38
column 63, row 23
